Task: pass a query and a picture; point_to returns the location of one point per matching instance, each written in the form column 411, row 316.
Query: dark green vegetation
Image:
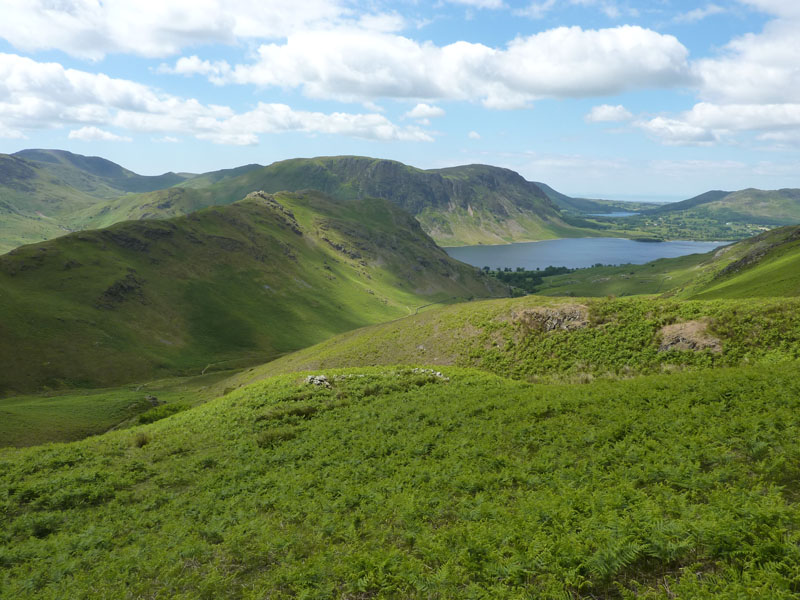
column 567, row 340
column 766, row 265
column 523, row 281
column 571, row 448
column 402, row 484
column 221, row 288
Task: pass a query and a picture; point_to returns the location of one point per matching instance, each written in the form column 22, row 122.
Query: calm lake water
column 575, row 252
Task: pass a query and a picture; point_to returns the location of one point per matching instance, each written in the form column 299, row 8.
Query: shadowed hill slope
column 226, row 285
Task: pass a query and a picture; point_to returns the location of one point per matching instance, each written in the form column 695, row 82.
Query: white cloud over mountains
column 357, row 65
column 90, row 133
column 36, row 95
column 339, row 50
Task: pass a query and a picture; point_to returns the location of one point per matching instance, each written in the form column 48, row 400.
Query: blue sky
column 659, row 99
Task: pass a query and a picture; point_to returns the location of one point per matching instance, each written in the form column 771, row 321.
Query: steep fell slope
column 227, row 285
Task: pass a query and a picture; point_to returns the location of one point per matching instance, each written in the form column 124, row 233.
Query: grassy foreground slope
column 766, row 265
column 470, row 204
column 566, row 339
column 224, row 286
column 402, row 484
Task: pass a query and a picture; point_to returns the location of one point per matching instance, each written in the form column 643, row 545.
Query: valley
column 274, row 382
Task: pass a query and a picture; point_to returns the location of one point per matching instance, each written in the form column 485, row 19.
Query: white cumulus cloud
column 474, row 135
column 35, row 95
column 356, row 65
column 95, row 134
column 425, row 111
column 605, row 113
column 155, row 28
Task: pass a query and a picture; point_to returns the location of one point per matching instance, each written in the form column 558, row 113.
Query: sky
column 628, row 99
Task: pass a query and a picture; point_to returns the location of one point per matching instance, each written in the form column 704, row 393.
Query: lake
column 576, row 252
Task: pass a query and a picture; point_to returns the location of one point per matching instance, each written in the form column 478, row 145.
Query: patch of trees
column 524, row 280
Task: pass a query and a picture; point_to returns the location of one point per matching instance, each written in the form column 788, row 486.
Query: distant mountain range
column 470, row 204
column 45, row 193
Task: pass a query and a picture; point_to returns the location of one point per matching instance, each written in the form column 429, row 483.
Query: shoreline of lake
column 592, row 237
column 576, row 253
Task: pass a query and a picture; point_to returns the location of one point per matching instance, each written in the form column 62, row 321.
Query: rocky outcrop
column 564, row 318
column 689, row 335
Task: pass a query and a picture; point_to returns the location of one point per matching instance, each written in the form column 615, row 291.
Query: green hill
column 47, row 193
column 229, row 285
column 718, row 215
column 91, row 173
column 470, row 204
column 769, row 208
column 396, row 483
column 766, row 265
column 565, row 339
column 699, row 200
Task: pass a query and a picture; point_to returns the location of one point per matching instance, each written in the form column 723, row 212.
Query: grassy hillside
column 719, row 215
column 566, row 339
column 92, row 173
column 65, row 416
column 393, row 483
column 227, row 286
column 47, row 193
column 699, row 200
column 766, row 265
column 470, row 204
column 762, row 207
